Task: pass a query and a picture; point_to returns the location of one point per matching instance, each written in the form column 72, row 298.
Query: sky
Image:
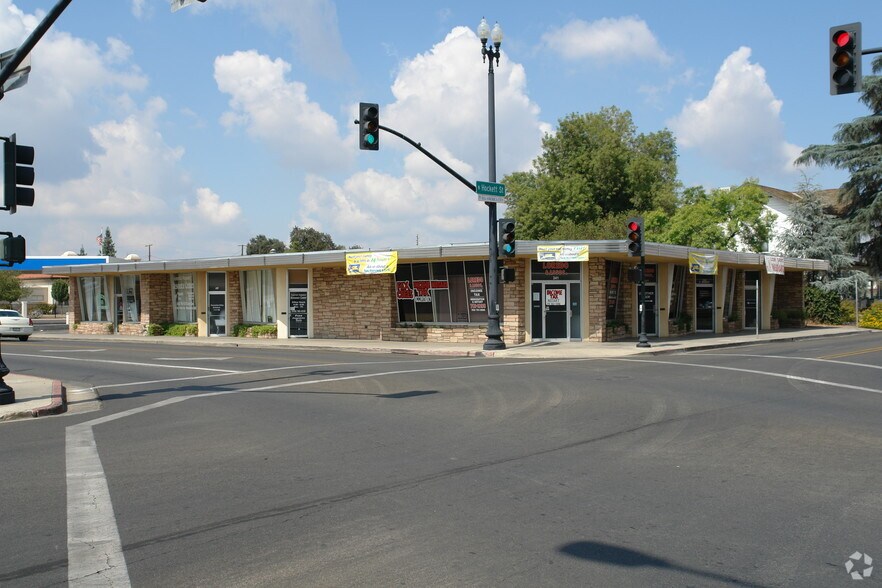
column 194, row 131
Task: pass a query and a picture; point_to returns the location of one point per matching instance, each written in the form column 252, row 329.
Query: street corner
column 34, row 397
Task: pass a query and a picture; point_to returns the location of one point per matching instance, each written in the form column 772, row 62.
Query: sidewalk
column 33, row 397
column 40, row 396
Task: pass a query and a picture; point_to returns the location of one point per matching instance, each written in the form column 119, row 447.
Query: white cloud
column 608, row 40
column 738, row 124
column 440, row 102
column 210, row 209
column 312, row 26
column 279, row 112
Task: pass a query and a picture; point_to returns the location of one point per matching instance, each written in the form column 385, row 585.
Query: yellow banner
column 703, row 263
column 562, row 252
column 378, row 262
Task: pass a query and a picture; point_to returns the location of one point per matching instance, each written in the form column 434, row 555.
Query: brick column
column 156, row 299
column 75, row 312
column 235, row 315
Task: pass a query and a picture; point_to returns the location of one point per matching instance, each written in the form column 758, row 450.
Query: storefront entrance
column 217, row 304
column 298, row 319
column 704, row 304
column 556, row 301
column 751, row 299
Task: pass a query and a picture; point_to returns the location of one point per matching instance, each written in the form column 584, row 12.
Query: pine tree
column 858, row 149
column 814, row 234
column 107, row 246
column 82, row 252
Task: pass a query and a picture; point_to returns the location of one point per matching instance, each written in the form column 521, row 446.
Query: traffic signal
column 507, row 275
column 13, row 248
column 507, row 237
column 369, row 126
column 18, row 175
column 845, row 59
column 635, row 236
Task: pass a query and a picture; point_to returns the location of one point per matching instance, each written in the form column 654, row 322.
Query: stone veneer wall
column 595, row 306
column 234, row 301
column 352, row 307
column 156, row 300
column 514, row 313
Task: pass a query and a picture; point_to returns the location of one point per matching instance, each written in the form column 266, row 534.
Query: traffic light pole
column 31, row 42
column 642, row 340
column 494, row 332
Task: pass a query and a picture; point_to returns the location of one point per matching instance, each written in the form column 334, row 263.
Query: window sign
column 442, row 292
column 547, row 271
column 555, row 296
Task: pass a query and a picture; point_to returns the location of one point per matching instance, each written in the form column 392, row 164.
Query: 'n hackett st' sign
column 490, row 192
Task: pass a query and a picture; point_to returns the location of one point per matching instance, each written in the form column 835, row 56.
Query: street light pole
column 494, row 332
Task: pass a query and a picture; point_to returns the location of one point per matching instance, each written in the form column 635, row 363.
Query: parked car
column 12, row 324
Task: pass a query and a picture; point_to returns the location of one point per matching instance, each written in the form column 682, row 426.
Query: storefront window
column 129, row 298
column 442, row 293
column 258, row 296
column 184, row 298
column 678, row 288
column 93, row 299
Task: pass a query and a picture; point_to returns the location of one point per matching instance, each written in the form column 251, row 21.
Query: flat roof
column 617, row 250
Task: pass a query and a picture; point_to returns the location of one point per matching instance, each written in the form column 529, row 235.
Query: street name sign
column 490, row 192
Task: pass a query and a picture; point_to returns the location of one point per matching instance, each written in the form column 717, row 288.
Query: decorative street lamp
column 494, row 333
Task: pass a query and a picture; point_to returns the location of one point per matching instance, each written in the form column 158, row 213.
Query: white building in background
column 781, row 203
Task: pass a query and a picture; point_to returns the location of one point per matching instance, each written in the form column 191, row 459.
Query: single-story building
column 574, row 290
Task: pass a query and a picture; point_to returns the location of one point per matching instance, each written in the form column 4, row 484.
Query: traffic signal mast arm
column 425, row 151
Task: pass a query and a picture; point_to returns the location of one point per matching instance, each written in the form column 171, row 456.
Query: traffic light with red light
column 369, row 126
column 507, row 237
column 18, row 175
column 845, row 59
column 635, row 236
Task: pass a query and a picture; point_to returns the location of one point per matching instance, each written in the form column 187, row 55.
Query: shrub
column 846, row 307
column 871, row 318
column 180, row 329
column 822, row 306
column 254, row 330
column 684, row 322
column 154, row 330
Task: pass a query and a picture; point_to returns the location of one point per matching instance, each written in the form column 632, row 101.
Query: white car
column 12, row 324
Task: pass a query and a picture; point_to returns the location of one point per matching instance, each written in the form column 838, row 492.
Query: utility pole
column 148, row 246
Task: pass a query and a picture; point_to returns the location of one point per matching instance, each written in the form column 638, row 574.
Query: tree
column 595, row 165
column 60, row 291
column 856, row 149
column 11, row 288
column 82, row 252
column 725, row 218
column 814, row 234
column 309, row 239
column 106, row 243
column 261, row 245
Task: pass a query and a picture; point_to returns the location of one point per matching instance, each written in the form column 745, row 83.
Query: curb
column 58, row 404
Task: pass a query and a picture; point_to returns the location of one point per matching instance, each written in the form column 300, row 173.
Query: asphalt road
column 747, row 466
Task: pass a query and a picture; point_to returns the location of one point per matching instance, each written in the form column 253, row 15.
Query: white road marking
column 757, row 372
column 155, row 365
column 95, row 552
column 71, row 350
column 192, row 358
column 866, row 365
column 263, row 370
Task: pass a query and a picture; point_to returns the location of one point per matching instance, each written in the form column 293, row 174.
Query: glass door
column 751, row 280
column 297, row 312
column 704, row 303
column 217, row 304
column 556, row 310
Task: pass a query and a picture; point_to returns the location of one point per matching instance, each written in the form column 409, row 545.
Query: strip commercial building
column 576, row 290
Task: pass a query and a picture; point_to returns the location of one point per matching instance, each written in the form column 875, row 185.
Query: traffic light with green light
column 845, row 59
column 369, row 126
column 507, row 237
